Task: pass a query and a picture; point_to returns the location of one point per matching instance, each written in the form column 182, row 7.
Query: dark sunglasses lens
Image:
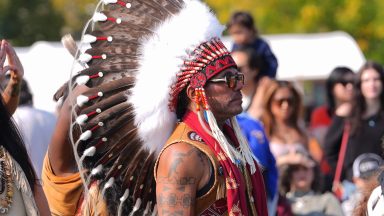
column 346, row 82
column 231, row 81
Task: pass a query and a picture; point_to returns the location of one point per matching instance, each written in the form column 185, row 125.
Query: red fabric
column 283, row 207
column 234, row 196
column 320, row 117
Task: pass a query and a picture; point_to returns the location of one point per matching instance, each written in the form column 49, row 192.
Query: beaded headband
column 209, row 59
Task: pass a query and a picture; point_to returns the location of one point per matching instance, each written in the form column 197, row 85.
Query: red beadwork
column 94, row 96
column 198, row 80
column 94, row 76
column 100, row 143
column 101, row 38
column 122, row 3
column 111, row 19
column 95, row 127
column 91, row 113
column 191, row 71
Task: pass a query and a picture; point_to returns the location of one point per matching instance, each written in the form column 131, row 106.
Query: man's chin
column 238, row 111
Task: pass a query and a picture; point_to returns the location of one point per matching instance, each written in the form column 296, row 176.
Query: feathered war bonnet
column 185, row 50
column 142, row 54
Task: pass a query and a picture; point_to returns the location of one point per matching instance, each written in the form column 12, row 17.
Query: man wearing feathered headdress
column 153, row 129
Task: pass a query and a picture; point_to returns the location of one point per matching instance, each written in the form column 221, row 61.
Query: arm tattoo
column 180, row 183
column 172, row 200
column 172, row 213
column 179, row 159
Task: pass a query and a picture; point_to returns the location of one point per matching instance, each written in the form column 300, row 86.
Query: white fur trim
column 89, row 152
column 161, row 56
column 97, row 170
column 86, row 135
column 89, row 38
column 97, row 17
column 81, row 119
column 109, row 1
column 85, row 58
column 82, row 80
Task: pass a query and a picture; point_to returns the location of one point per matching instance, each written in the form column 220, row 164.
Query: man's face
column 224, row 102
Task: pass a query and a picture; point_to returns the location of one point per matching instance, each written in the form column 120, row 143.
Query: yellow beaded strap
column 6, row 186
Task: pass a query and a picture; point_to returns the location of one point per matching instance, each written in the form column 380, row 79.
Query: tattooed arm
column 182, row 170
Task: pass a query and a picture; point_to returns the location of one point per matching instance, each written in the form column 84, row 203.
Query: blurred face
column 224, row 101
column 371, row 86
column 241, row 59
column 282, row 104
column 240, row 34
column 343, row 90
column 302, row 178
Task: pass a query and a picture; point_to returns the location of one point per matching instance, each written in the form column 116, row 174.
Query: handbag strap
column 343, row 148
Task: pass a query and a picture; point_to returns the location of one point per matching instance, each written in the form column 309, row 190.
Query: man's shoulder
column 183, row 133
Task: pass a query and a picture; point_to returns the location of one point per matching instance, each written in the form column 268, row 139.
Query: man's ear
column 191, row 93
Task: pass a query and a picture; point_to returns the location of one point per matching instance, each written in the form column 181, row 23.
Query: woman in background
column 339, row 91
column 365, row 126
column 281, row 118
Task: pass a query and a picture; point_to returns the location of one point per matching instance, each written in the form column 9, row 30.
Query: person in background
column 375, row 200
column 365, row 172
column 299, row 182
column 281, row 118
column 365, row 126
column 20, row 191
column 243, row 31
column 339, row 92
column 36, row 126
column 249, row 64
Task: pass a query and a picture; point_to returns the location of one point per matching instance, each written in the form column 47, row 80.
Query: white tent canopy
column 308, row 56
column 313, row 56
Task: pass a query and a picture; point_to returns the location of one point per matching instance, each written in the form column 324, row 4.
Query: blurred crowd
column 331, row 166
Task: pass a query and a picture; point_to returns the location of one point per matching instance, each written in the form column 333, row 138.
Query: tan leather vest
column 214, row 201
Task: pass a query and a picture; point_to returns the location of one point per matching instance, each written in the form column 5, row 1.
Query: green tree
column 24, row 22
column 363, row 19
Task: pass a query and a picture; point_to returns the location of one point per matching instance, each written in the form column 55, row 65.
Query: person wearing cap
column 365, row 170
column 299, row 181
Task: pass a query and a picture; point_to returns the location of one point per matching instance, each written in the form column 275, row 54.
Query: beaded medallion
column 6, row 186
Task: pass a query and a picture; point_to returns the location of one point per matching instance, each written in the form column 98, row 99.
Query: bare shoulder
column 181, row 168
column 181, row 159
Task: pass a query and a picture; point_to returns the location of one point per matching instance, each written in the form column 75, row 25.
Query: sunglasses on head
column 231, row 79
column 280, row 101
column 345, row 82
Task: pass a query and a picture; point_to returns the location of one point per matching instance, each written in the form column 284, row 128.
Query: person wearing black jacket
column 366, row 121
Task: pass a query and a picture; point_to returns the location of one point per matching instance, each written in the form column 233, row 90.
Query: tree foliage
column 24, row 22
column 362, row 19
column 27, row 21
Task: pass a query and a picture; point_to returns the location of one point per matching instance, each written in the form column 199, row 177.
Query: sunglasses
column 345, row 82
column 231, row 79
column 280, row 101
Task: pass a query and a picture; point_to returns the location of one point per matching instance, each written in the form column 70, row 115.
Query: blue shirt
column 257, row 139
column 262, row 49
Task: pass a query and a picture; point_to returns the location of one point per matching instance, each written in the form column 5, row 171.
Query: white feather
column 160, row 56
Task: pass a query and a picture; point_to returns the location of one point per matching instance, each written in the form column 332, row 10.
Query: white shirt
column 36, row 127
